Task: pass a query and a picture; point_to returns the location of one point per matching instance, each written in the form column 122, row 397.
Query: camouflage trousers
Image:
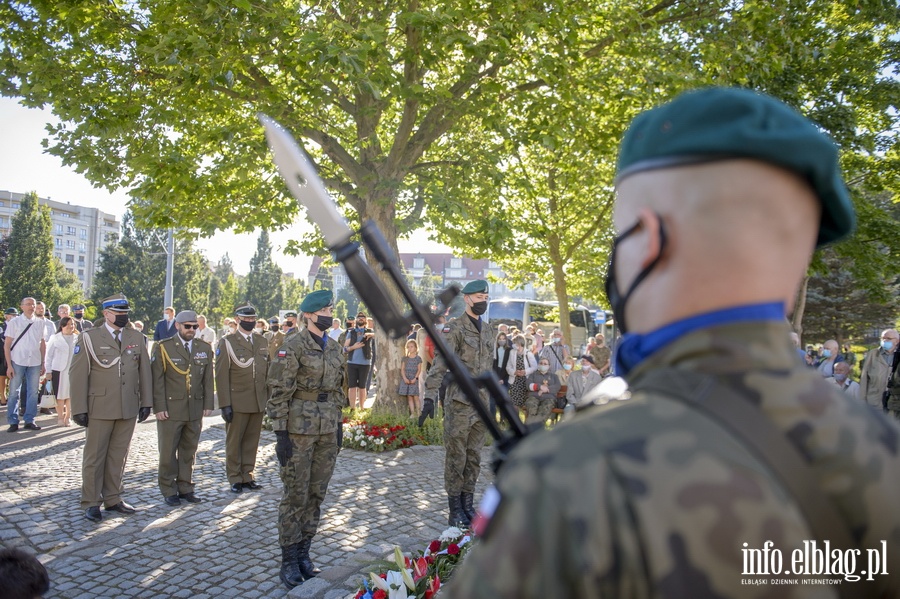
column 538, row 409
column 305, row 477
column 463, row 441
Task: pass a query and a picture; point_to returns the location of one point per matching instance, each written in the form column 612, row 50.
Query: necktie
column 118, row 340
column 187, row 347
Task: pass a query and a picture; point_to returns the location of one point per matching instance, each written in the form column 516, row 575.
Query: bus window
column 542, row 313
column 509, row 313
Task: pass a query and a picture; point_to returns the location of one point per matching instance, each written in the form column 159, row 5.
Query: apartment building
column 79, row 233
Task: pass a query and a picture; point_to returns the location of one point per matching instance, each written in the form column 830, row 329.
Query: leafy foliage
column 136, row 266
column 262, row 287
column 30, row 269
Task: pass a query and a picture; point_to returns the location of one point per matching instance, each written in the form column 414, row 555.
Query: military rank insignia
column 282, row 353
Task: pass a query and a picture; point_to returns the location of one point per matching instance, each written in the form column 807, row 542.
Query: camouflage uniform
column 539, row 405
column 651, row 498
column 305, row 399
column 463, row 431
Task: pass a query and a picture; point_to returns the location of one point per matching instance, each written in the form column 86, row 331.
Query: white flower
column 450, row 534
column 362, row 443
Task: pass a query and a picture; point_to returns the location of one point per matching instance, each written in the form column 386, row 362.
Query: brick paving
column 226, row 546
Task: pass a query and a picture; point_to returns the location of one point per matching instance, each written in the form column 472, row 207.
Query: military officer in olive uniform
column 110, row 385
column 242, row 363
column 305, row 399
column 472, row 339
column 729, row 446
column 289, row 327
column 182, row 396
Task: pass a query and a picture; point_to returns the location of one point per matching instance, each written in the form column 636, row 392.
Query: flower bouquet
column 419, row 576
column 358, row 434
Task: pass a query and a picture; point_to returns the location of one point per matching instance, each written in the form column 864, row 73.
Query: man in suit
column 182, row 395
column 110, row 385
column 241, row 367
column 165, row 328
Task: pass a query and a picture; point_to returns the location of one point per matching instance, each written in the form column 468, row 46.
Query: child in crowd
column 409, row 373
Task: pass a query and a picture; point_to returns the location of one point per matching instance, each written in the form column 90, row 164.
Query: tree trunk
column 562, row 294
column 799, row 308
column 389, row 352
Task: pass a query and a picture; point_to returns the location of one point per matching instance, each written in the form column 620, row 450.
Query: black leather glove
column 227, row 413
column 283, row 447
column 143, row 414
column 340, row 433
column 80, row 419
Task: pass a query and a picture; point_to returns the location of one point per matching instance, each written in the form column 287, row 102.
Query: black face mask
column 288, row 325
column 479, row 308
column 322, row 322
column 616, row 299
column 121, row 320
column 78, row 315
column 247, row 326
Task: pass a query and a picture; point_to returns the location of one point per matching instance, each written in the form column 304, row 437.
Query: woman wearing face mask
column 542, row 385
column 521, row 364
column 58, row 356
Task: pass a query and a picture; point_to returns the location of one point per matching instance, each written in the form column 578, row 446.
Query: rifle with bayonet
column 306, row 186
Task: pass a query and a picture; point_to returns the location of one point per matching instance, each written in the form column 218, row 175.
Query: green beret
column 315, row 301
column 720, row 123
column 478, row 286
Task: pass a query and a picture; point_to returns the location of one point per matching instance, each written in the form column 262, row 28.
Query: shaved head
column 737, row 232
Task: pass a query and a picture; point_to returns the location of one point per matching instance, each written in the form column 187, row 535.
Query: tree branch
column 413, row 219
column 604, row 43
column 590, row 230
column 411, row 75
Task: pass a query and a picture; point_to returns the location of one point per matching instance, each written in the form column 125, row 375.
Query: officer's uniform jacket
column 651, row 497
column 306, row 386
column 108, row 382
column 241, row 373
column 475, row 349
column 182, row 384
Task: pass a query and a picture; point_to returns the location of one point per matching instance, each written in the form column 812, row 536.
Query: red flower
column 434, row 546
column 360, row 593
column 383, row 575
column 379, row 594
column 453, row 549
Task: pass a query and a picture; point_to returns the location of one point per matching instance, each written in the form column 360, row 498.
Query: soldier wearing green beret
column 472, row 339
column 728, row 446
column 305, row 400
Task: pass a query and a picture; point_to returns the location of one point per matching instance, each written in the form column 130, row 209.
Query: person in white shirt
column 335, row 331
column 204, row 332
column 59, row 355
column 842, row 379
column 24, row 348
column 40, row 310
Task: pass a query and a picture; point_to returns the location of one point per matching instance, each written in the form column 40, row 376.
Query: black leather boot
column 468, row 505
column 457, row 515
column 290, row 571
column 307, row 568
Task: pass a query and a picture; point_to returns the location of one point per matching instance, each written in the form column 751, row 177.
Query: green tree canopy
column 136, row 266
column 263, row 285
column 30, row 269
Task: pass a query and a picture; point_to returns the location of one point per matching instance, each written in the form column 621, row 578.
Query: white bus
column 522, row 312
